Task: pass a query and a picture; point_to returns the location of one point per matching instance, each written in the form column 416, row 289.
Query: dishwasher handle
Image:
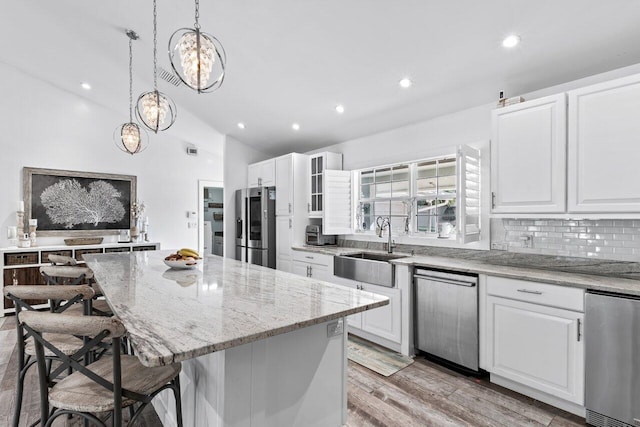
column 446, row 281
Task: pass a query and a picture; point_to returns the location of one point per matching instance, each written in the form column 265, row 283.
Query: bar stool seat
column 68, row 344
column 79, row 393
column 98, row 305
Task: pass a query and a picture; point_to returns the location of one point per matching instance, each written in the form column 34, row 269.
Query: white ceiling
column 294, row 60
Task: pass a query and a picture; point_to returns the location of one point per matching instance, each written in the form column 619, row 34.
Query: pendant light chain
column 130, row 80
column 155, row 47
column 197, row 25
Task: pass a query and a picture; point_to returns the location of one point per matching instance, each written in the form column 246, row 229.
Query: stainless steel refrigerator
column 256, row 226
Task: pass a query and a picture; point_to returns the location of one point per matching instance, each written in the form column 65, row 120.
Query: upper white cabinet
column 262, row 174
column 318, row 164
column 528, row 157
column 284, row 185
column 604, row 147
column 337, row 217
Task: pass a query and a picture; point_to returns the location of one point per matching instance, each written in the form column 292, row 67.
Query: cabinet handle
column 308, row 257
column 260, row 182
column 290, row 223
column 289, row 207
column 307, row 271
column 310, row 271
column 527, row 291
column 579, row 329
column 308, row 207
column 493, row 200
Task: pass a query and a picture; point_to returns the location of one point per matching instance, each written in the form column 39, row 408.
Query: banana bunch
column 184, row 254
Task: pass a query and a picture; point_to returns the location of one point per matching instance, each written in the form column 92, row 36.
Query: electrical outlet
column 335, row 328
column 499, row 246
column 192, row 225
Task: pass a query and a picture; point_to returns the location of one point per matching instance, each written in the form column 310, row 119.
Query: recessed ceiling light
column 405, row 83
column 241, row 125
column 86, row 86
column 339, row 108
column 295, row 126
column 511, row 41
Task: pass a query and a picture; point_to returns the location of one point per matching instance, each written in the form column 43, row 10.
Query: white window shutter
column 468, row 212
column 338, row 215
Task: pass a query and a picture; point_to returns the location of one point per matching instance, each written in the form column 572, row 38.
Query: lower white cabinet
column 284, row 241
column 539, row 346
column 313, row 265
column 384, row 321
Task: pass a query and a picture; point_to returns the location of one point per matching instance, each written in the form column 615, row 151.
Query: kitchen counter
column 257, row 346
column 174, row 315
column 603, row 275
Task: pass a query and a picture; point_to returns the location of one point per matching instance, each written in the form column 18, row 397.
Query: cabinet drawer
column 111, row 250
column 21, row 258
column 80, row 252
column 537, row 293
column 312, row 258
column 45, row 255
column 144, row 248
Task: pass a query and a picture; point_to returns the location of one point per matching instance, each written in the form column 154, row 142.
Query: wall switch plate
column 335, row 328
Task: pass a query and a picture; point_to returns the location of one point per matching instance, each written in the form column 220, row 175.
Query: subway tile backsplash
column 606, row 239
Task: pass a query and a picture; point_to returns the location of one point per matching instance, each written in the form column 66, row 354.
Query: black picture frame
column 101, row 202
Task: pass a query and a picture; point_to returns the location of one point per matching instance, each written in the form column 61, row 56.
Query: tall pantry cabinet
column 292, row 171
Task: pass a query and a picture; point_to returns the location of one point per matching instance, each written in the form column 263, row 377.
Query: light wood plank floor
column 423, row 394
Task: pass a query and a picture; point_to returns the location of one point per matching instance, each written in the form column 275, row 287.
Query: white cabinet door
column 284, row 264
column 354, row 320
column 253, row 175
column 384, row 321
column 262, row 174
column 284, row 185
column 284, row 237
column 604, row 147
column 320, row 272
column 300, row 268
column 528, row 157
column 318, row 164
column 537, row 346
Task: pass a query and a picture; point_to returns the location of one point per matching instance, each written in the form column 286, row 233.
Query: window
column 431, row 198
column 384, row 192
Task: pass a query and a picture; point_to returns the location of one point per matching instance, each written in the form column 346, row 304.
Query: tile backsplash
column 605, row 239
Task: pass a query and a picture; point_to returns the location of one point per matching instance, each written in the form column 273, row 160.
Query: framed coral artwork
column 72, row 203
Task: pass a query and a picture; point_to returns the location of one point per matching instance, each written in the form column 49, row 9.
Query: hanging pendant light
column 197, row 58
column 129, row 137
column 156, row 110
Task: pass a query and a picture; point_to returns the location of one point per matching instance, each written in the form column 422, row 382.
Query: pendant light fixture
column 156, row 110
column 129, row 137
column 197, row 58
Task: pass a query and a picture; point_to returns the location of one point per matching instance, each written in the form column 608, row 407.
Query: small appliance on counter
column 314, row 236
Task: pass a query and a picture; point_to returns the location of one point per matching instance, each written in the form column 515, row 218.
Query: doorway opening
column 211, row 218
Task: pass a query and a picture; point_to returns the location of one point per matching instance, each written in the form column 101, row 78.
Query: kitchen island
column 259, row 347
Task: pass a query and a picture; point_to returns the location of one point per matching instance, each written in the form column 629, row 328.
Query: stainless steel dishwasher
column 446, row 316
column 612, row 359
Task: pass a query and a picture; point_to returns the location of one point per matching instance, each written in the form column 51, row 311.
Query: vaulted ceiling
column 295, row 60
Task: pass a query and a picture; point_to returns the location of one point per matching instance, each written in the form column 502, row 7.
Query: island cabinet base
column 292, row 379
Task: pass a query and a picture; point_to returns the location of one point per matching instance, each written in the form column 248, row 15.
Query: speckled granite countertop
column 174, row 315
column 604, row 275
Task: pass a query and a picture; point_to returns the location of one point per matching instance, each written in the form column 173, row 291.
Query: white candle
column 20, row 205
column 33, row 222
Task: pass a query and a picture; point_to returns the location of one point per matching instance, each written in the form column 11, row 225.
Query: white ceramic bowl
column 182, row 264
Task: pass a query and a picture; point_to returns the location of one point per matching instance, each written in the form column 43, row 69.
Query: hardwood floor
column 423, row 394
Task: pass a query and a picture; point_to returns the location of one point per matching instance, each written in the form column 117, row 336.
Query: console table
column 22, row 265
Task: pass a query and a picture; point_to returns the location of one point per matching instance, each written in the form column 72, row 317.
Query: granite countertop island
column 249, row 338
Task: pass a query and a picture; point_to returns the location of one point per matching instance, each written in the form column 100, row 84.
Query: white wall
column 237, row 157
column 44, row 126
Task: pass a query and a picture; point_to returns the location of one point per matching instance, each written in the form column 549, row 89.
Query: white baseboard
column 571, row 407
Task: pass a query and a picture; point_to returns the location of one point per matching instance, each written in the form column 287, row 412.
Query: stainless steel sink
column 367, row 267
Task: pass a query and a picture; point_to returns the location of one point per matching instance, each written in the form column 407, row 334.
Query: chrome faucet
column 382, row 223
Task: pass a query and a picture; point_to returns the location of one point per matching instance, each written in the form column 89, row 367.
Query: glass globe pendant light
column 129, row 137
column 156, row 110
column 197, row 58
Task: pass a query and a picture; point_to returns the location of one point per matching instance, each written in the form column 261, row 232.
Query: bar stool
column 64, row 260
column 26, row 347
column 107, row 385
column 72, row 276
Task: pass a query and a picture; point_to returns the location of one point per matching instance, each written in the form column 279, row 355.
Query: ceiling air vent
column 168, row 77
